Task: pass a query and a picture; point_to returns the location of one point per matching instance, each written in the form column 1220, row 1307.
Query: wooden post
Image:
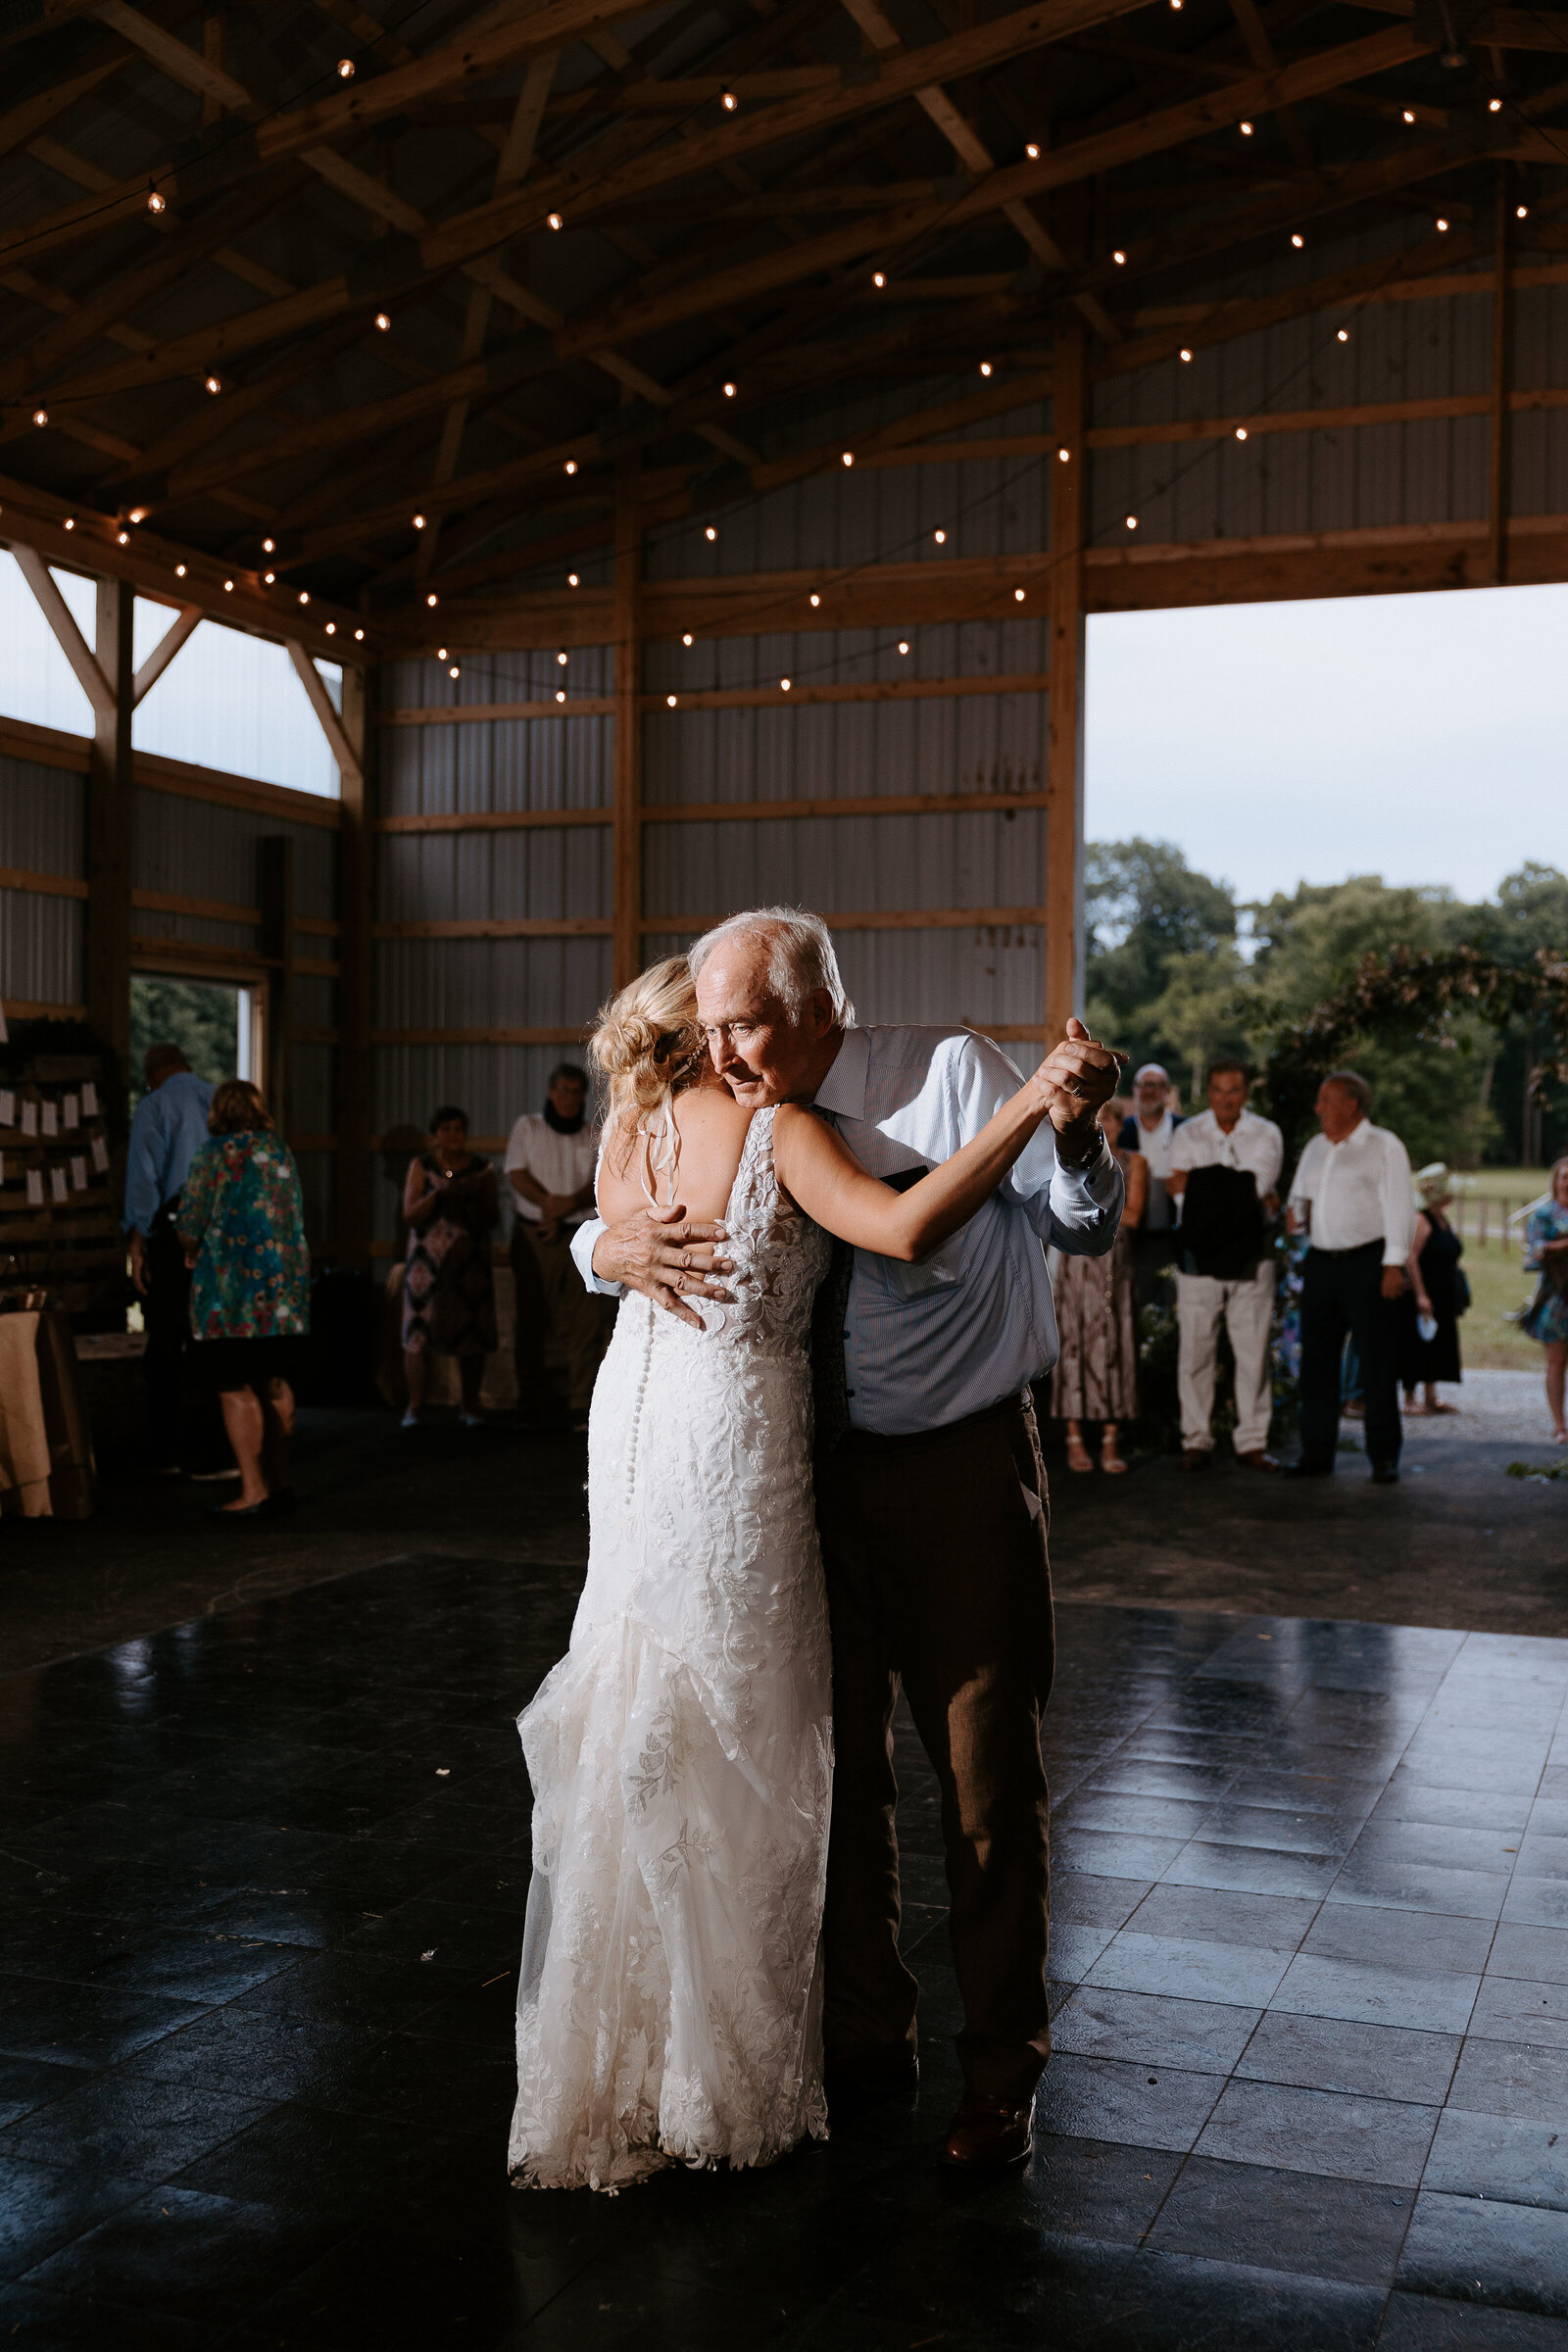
column 356, row 911
column 1064, row 739
column 1502, row 335
column 110, row 823
column 276, row 893
column 627, row 853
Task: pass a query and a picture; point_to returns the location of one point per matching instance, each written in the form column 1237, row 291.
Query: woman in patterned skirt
column 1097, row 1372
column 1546, row 1317
column 449, row 1286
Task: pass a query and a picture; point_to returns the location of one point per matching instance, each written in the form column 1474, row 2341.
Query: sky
column 1423, row 738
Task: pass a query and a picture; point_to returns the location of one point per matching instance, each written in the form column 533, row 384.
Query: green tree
column 1531, row 913
column 199, row 1016
column 1146, row 908
column 1206, row 1007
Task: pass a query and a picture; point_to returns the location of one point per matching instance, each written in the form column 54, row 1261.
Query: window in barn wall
column 227, row 700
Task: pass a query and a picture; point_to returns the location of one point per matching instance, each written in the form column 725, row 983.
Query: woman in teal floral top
column 1546, row 1317
column 241, row 1220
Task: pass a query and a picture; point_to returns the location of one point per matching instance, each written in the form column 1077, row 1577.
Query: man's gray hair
column 800, row 956
column 1352, row 1083
column 1152, row 1069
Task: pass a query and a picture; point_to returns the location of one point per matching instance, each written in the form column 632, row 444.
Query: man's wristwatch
column 1067, row 1160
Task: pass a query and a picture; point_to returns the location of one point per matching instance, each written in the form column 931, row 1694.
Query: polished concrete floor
column 262, row 1875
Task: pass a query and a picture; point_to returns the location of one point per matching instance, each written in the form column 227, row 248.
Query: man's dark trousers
column 166, row 1317
column 934, row 1548
column 1341, row 1291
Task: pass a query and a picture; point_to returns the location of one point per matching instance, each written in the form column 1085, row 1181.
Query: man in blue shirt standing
column 168, row 1128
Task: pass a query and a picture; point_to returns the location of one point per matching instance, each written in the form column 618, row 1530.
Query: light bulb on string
column 561, row 660
column 1241, row 432
column 432, row 600
column 228, row 586
column 1521, row 212
column 1018, row 596
column 815, row 600
column 1442, row 228
column 345, row 69
column 179, row 571
column 1343, row 335
column 1297, row 240
column 359, row 636
column 687, row 638
column 121, row 538
column 383, row 322
column 1495, row 106
column 155, row 202
column 903, row 644
column 849, row 456
column 729, row 102
column 305, row 596
column 670, row 700
column 40, row 416
column 418, row 522
column 70, row 523
column 440, row 653
column 561, row 694
column 269, row 547
column 710, row 533
column 556, row 220
column 1186, row 354
column 1246, row 130
column 215, row 384
column 985, row 367
column 729, row 391
column 1119, row 258
column 332, row 628
column 1032, row 152
column 941, row 538
column 571, row 465
column 1409, row 114
column 784, row 685
column 879, row 279
column 452, row 670
column 571, row 579
column 1132, row 522
column 268, row 577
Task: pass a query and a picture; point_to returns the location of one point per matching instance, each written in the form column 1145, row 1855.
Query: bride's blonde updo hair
column 647, row 1047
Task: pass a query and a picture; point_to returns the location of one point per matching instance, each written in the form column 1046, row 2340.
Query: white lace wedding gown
column 680, row 1752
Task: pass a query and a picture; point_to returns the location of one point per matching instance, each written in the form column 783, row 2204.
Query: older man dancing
column 931, row 1496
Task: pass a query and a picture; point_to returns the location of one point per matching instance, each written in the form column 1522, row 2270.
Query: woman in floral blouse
column 242, row 1224
column 1546, row 1318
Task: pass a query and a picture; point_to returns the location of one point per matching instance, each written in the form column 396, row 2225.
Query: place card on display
column 100, row 1155
column 78, row 1173
column 57, row 1183
column 8, row 1108
column 51, row 1119
column 29, row 1118
column 35, row 1188
column 89, row 1101
column 70, row 1114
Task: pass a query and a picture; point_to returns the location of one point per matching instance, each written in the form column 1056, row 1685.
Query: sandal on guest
column 1078, row 1455
column 1111, row 1459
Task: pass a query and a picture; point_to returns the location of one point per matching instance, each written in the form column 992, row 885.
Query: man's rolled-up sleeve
column 584, row 1241
column 1085, row 1207
column 1076, row 1210
column 1398, row 1204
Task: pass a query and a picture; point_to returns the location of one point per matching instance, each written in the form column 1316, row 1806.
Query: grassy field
column 1488, row 1342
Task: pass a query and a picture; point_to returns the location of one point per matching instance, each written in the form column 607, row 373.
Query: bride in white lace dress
column 668, row 2008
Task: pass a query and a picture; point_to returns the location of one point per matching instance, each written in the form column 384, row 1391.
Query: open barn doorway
column 217, row 1028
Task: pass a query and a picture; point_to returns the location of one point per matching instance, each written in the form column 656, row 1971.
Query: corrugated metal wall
column 43, row 831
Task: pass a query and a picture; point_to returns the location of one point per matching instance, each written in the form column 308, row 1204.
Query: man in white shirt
column 1229, row 1266
column 561, row 1330
column 1152, row 1129
column 930, row 1491
column 1352, row 1194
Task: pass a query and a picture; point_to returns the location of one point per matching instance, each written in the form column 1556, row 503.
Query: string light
column 418, row 522
column 815, row 600
column 571, row 465
column 1132, row 522
column 687, row 639
column 571, row 579
column 1442, row 228
column 879, row 279
column 1176, row 5
column 1241, row 432
column 332, row 628
column 1343, row 334
column 1119, row 258
column 670, row 700
column 440, row 653
column 729, row 391
column 561, row 660
column 1018, row 596
column 1063, row 456
column 269, row 577
column 1246, row 130
column 139, row 513
column 383, row 322
column 305, row 596
column 941, row 538
column 432, row 600
column 215, row 384
column 228, row 587
column 556, row 220
column 561, row 694
column 121, row 538
column 1495, row 106
column 1032, row 152
column 1409, row 114
column 729, row 102
column 985, row 367
column 1521, row 212
column 155, row 202
column 849, row 456
column 1297, row 240
column 40, row 416
column 179, row 571
column 710, row 533
column 359, row 636
column 452, row 670
column 269, row 547
column 903, row 644
column 345, row 69
column 70, row 523
column 784, row 685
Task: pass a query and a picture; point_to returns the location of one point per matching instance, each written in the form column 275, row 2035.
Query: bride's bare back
column 711, row 1131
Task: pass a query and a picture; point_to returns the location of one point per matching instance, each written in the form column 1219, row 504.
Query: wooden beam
column 495, row 820
column 43, row 886
column 1397, row 559
column 183, row 781
column 110, row 823
column 894, row 804
column 320, row 702
column 1501, row 439
column 86, row 667
column 1064, row 739
column 882, row 919
column 356, row 900
column 179, row 633
column 626, row 853
column 276, row 863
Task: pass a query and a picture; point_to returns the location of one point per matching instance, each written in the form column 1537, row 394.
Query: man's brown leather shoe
column 986, row 2135
column 1258, row 1460
column 1195, row 1457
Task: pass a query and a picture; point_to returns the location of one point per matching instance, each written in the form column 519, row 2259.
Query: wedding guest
column 1546, row 1317
column 1151, row 1131
column 449, row 1286
column 169, row 1129
column 1225, row 1172
column 562, row 1329
column 242, row 1226
column 1440, row 1294
column 1097, row 1372
column 1353, row 1196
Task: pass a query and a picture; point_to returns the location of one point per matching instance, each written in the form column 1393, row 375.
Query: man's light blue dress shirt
column 168, row 1131
column 931, row 1344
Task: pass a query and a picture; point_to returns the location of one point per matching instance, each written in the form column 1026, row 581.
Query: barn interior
column 672, row 455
